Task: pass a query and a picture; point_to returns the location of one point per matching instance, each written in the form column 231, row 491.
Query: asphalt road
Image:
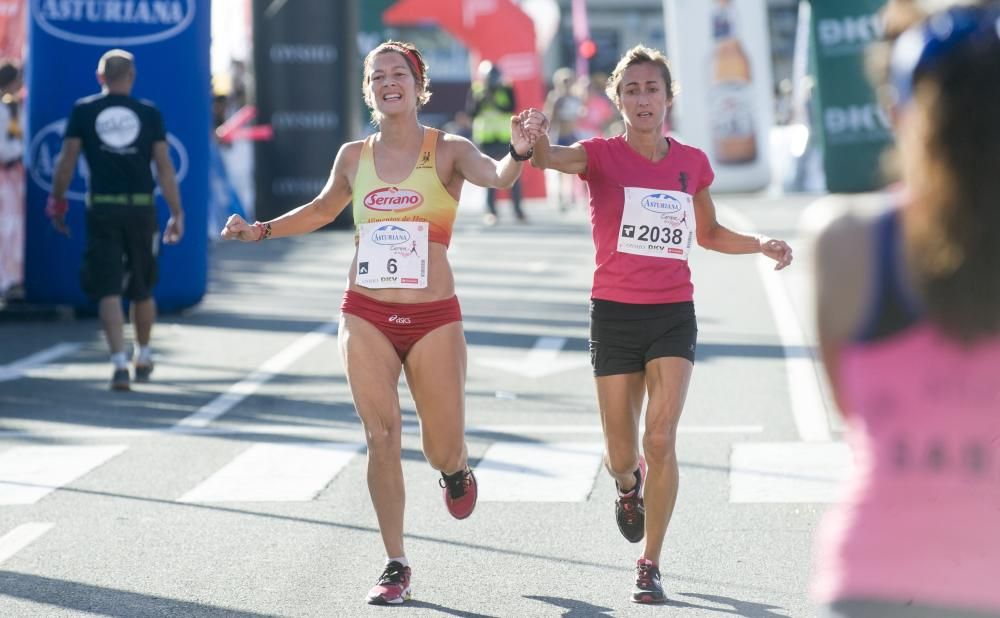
column 234, row 483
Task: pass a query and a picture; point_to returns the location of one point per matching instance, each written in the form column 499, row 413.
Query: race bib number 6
column 657, row 223
column 392, row 254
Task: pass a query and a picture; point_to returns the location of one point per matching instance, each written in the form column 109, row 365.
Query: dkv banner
column 855, row 130
column 170, row 41
column 720, row 55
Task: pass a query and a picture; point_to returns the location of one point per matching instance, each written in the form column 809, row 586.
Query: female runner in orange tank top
column 400, row 313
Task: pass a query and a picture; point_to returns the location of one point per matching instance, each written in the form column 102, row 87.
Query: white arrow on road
column 543, row 360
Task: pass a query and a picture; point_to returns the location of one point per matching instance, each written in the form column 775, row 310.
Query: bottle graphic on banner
column 734, row 140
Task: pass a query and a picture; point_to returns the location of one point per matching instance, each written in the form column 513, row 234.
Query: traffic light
column 587, row 48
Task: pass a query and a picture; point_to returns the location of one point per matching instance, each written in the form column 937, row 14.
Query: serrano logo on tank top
column 393, row 199
column 113, row 22
column 661, row 203
column 390, row 235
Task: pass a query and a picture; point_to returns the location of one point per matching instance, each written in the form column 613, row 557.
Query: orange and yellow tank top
column 419, row 197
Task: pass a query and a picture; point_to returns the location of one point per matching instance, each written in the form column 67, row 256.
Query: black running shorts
column 120, row 257
column 624, row 337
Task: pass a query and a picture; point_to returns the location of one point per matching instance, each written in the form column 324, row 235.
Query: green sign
column 854, row 129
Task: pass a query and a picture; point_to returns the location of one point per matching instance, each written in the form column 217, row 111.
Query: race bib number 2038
column 657, row 223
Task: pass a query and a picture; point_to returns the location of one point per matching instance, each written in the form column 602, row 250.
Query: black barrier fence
column 305, row 60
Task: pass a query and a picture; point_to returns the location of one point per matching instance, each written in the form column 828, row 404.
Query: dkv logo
column 47, row 143
column 661, row 204
column 393, row 199
column 390, row 235
column 113, row 22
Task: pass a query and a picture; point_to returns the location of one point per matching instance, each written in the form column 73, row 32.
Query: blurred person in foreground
column 908, row 301
column 491, row 105
column 119, row 136
column 400, row 313
column 650, row 201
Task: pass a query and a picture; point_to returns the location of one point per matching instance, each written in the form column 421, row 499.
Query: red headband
column 412, row 55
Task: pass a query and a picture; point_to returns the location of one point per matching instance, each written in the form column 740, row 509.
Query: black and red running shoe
column 460, row 492
column 629, row 509
column 393, row 586
column 648, row 587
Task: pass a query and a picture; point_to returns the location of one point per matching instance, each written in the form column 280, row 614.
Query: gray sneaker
column 120, row 380
column 143, row 371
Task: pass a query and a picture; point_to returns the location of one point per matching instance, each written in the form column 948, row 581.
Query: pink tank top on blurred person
column 921, row 519
column 612, row 165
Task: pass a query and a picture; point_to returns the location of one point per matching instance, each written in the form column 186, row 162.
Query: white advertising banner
column 719, row 52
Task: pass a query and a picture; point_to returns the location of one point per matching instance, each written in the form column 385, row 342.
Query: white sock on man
column 119, row 360
column 144, row 355
column 403, row 561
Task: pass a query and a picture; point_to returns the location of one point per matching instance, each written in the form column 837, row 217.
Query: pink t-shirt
column 613, row 165
column 921, row 520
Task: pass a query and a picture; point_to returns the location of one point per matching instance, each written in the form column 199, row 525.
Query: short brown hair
column 414, row 61
column 115, row 64
column 639, row 55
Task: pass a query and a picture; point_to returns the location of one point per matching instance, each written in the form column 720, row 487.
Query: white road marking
column 29, row 473
column 551, row 472
column 791, row 472
column 20, row 537
column 250, row 384
column 18, row 368
column 275, row 473
column 808, row 405
column 349, row 431
column 597, row 429
column 542, row 360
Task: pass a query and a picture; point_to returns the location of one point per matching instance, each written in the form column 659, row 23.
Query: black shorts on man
column 120, row 258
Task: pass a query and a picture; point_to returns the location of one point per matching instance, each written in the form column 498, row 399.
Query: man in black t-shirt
column 119, row 137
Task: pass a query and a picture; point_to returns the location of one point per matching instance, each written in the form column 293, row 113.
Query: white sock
column 144, row 354
column 403, row 561
column 119, row 360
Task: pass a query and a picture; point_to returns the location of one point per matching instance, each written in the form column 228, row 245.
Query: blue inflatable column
column 170, row 40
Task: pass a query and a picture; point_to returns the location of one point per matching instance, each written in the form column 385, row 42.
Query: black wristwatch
column 517, row 157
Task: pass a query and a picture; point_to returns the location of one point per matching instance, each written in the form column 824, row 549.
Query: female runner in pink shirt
column 649, row 202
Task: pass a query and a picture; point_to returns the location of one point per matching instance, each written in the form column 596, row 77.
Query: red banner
column 494, row 30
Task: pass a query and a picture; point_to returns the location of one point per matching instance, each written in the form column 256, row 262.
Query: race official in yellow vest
column 491, row 104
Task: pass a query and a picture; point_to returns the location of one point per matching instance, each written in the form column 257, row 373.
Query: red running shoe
column 629, row 509
column 393, row 586
column 648, row 587
column 460, row 492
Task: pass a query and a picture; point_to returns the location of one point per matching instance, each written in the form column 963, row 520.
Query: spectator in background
column 11, row 182
column 120, row 136
column 564, row 109
column 908, row 301
column 491, row 105
column 598, row 110
column 460, row 124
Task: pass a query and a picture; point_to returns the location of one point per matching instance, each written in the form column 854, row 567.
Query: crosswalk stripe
column 250, row 384
column 550, row 472
column 17, row 369
column 268, row 472
column 29, row 473
column 345, row 432
column 792, row 472
column 20, row 537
